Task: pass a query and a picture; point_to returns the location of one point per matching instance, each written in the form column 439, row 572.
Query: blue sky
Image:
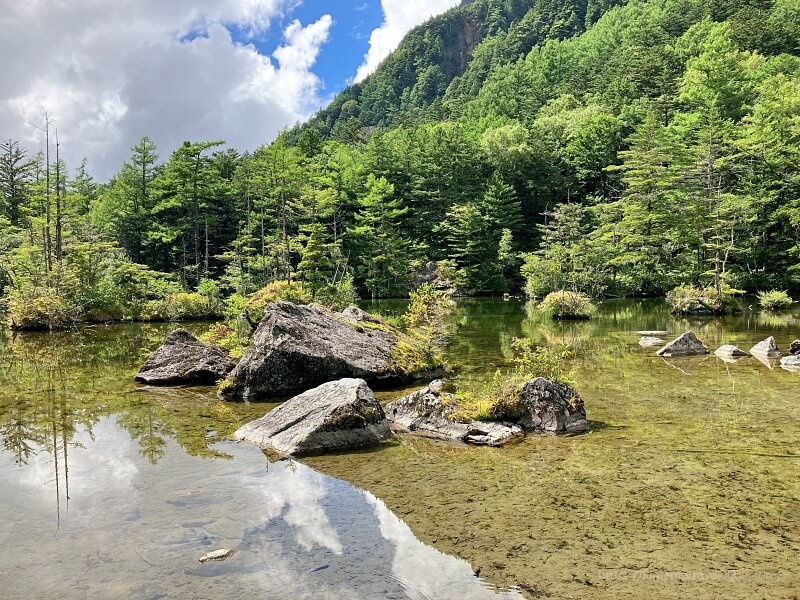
column 176, row 70
column 348, row 40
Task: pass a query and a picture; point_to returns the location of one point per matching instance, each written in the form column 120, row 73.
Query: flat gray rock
column 428, row 413
column 791, row 362
column 658, row 333
column 649, row 341
column 684, row 345
column 730, row 351
column 766, row 349
column 183, row 359
column 337, row 415
column 296, row 347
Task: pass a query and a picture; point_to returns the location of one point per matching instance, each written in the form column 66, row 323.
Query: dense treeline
column 606, row 149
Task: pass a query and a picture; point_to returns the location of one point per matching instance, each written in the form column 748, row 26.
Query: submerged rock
column 296, row 347
column 220, row 554
column 185, row 359
column 730, row 351
column 794, row 347
column 552, row 407
column 649, row 341
column 684, row 345
column 766, row 349
column 791, row 362
column 337, row 415
column 428, row 412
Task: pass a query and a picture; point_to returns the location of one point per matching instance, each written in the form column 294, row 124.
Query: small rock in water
column 791, row 362
column 649, row 341
column 766, row 349
column 220, row 554
column 730, row 351
column 685, row 345
column 794, row 347
column 652, row 333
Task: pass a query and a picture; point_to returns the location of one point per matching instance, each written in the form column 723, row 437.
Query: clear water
column 688, row 484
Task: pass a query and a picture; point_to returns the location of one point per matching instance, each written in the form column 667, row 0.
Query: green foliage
column 253, row 308
column 687, row 299
column 774, row 300
column 499, row 398
column 428, row 307
column 222, row 334
column 564, row 304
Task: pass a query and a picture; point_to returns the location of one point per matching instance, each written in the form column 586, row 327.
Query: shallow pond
column 688, row 483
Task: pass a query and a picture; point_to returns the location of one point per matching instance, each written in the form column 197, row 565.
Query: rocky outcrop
column 730, row 351
column 297, row 347
column 337, row 415
column 794, row 347
column 552, row 407
column 685, row 345
column 431, row 273
column 185, row 359
column 648, row 341
column 766, row 349
column 429, row 413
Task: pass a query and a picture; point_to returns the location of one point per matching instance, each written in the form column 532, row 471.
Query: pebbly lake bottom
column 687, row 485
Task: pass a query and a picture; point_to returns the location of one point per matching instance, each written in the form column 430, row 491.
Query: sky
column 111, row 71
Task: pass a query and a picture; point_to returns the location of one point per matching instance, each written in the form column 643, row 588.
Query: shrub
column 339, row 295
column 41, row 308
column 222, row 334
column 428, row 307
column 689, row 299
column 567, row 305
column 254, row 306
column 501, row 397
column 774, row 300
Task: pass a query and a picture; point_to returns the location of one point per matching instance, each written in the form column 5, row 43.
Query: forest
column 610, row 148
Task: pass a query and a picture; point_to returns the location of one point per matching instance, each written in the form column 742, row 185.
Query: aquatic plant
column 564, row 304
column 774, row 300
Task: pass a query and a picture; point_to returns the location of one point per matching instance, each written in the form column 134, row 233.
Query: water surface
column 686, row 485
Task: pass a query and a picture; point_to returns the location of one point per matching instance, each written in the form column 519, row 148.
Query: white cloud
column 111, row 72
column 399, row 17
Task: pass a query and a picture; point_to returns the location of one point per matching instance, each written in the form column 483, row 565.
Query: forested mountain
column 607, row 147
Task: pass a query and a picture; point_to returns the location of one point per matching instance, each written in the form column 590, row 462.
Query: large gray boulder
column 337, row 415
column 552, row 407
column 684, row 345
column 766, row 349
column 185, row 359
column 296, row 347
column 429, row 413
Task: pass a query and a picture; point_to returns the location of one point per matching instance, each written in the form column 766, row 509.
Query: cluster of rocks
column 334, row 357
column 344, row 414
column 687, row 344
column 295, row 347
